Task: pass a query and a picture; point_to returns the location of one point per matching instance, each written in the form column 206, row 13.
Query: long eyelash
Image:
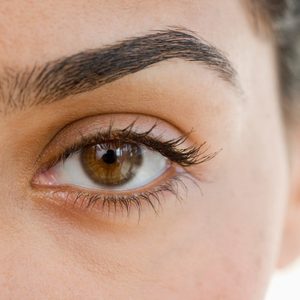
column 171, row 149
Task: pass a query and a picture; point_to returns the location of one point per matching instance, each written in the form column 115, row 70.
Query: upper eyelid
column 185, row 157
column 113, row 117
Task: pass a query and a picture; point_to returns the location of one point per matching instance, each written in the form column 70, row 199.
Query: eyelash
column 123, row 203
column 185, row 157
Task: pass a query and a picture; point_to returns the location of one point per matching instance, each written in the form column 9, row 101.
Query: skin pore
column 221, row 240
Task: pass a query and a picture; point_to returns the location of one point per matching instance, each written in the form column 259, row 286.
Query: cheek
column 218, row 245
column 230, row 235
column 246, row 209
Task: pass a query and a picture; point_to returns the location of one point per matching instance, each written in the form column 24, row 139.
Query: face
column 175, row 175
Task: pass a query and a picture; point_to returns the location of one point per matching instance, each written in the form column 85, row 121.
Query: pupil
column 109, row 157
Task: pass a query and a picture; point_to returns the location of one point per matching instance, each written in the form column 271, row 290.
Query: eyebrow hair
column 90, row 69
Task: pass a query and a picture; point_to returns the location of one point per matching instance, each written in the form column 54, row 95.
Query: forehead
column 35, row 31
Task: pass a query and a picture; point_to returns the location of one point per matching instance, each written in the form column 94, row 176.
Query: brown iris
column 111, row 164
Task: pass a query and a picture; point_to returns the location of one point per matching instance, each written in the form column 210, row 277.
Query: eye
column 108, row 166
column 122, row 167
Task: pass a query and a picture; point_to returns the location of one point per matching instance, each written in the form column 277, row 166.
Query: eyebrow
column 91, row 69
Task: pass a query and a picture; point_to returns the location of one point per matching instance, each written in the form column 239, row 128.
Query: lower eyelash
column 124, row 203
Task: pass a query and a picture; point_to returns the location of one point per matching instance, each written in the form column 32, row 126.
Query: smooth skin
column 221, row 243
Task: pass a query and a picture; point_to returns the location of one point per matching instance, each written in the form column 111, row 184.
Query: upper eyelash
column 185, row 157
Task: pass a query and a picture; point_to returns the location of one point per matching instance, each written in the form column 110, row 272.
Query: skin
column 221, row 243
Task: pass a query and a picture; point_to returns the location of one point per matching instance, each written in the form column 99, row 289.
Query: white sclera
column 71, row 172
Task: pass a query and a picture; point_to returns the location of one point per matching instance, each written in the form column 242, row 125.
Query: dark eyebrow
column 91, row 69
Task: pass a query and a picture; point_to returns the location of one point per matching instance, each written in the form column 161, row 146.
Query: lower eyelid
column 107, row 204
